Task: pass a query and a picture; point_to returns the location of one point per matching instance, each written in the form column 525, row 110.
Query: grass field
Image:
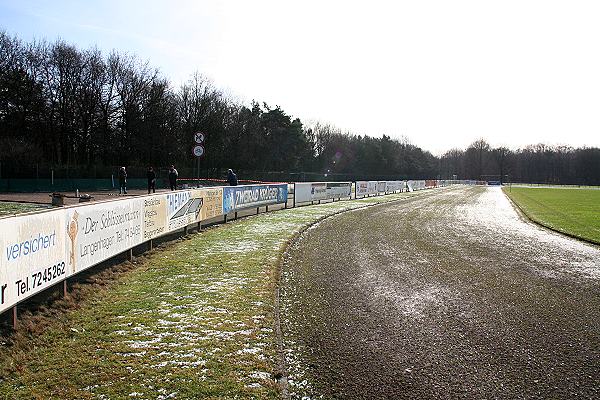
column 575, row 212
column 9, row 208
column 194, row 319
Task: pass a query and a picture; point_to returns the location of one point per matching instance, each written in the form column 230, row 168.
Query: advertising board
column 33, row 255
column 364, row 188
column 394, row 186
column 308, row 191
column 247, row 196
column 154, row 216
column 311, row 191
column 336, row 190
column 212, row 202
column 372, row 187
column 361, row 188
column 415, row 185
column 182, row 209
column 98, row 232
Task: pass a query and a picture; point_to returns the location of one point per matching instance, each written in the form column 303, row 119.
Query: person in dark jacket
column 122, row 181
column 231, row 178
column 151, row 180
column 173, row 177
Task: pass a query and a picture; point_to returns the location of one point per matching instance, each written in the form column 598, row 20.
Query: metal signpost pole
column 198, row 151
column 198, row 167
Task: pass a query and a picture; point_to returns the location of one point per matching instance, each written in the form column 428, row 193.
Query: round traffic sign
column 199, row 137
column 198, row 150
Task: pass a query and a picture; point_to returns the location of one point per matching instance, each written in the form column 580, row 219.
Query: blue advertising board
column 248, row 196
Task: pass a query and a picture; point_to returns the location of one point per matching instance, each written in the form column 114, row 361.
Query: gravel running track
column 450, row 294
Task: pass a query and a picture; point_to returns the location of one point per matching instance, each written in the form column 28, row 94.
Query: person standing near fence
column 231, row 178
column 122, row 181
column 173, row 177
column 151, row 180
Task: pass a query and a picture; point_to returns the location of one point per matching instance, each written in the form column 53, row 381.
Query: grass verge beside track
column 194, row 319
column 575, row 212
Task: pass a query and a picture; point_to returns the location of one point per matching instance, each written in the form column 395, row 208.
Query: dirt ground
column 44, row 197
column 448, row 295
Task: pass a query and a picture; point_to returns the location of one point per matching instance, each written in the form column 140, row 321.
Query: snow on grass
column 234, row 246
column 260, row 375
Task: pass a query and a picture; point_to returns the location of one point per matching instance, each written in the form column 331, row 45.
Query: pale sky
column 441, row 73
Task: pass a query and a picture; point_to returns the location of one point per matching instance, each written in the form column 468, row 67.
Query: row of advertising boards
column 42, row 249
column 367, row 188
column 312, row 191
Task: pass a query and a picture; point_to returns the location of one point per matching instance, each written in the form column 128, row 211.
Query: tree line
column 538, row 163
column 64, row 106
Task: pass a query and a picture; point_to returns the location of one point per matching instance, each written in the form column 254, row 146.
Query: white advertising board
column 98, row 232
column 415, row 185
column 181, row 209
column 336, row 190
column 33, row 255
column 361, row 188
column 372, row 187
column 394, row 186
column 311, row 191
column 365, row 188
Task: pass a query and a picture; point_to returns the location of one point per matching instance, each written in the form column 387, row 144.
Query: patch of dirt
column 44, row 197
